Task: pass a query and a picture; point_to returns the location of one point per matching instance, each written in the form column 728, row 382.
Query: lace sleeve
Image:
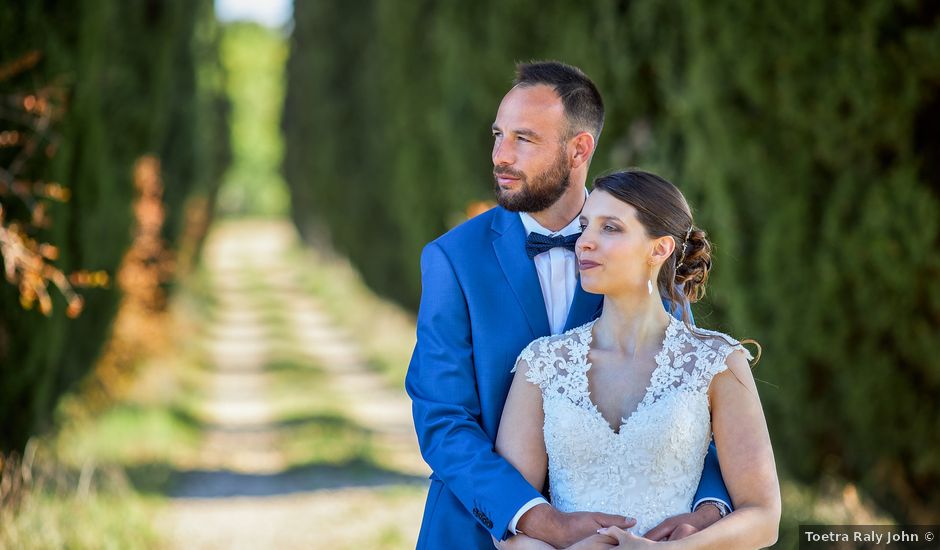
column 705, row 355
column 528, row 365
column 547, row 362
column 726, row 346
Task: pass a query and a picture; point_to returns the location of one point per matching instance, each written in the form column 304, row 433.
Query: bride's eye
column 583, row 226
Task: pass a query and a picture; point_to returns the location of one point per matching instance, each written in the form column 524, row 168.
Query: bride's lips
column 584, row 265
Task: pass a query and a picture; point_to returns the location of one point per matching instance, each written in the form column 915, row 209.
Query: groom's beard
column 542, row 192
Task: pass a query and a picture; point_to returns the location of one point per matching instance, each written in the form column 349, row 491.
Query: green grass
column 310, row 418
column 385, row 331
column 131, row 433
column 98, row 481
column 327, row 440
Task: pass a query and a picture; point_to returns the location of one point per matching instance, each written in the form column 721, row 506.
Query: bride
column 619, row 413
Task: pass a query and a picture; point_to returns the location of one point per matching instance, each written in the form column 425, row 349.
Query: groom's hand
column 683, row 525
column 562, row 529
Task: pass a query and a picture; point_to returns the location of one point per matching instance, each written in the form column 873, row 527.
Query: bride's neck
column 631, row 323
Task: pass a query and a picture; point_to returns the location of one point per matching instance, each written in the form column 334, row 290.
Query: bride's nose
column 584, row 242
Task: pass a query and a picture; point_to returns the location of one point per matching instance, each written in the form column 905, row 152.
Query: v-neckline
column 588, row 365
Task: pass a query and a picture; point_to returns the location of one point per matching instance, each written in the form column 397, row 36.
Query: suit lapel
column 584, row 307
column 509, row 245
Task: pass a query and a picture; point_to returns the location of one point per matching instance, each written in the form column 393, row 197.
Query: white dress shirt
column 558, row 272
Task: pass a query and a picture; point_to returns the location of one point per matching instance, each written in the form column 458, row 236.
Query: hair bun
column 692, row 273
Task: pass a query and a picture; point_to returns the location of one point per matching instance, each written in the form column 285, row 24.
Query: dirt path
column 256, row 485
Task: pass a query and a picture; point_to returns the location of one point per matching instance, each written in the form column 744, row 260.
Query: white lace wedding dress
column 651, row 468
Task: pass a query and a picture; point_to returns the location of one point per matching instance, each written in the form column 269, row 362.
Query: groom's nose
column 503, row 153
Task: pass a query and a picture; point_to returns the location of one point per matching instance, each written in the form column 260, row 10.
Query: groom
column 487, row 291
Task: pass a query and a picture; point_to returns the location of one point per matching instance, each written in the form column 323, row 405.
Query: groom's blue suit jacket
column 481, row 303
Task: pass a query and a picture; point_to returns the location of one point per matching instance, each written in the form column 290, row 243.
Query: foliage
column 805, row 136
column 253, row 57
column 134, row 78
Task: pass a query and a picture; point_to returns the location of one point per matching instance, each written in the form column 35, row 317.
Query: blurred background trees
column 805, row 136
column 253, row 58
column 125, row 80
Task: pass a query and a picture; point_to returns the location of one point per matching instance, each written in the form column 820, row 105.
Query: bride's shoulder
column 706, row 339
column 718, row 346
column 727, row 355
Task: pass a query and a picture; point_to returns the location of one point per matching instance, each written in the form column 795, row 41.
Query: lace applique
column 651, row 468
column 553, row 360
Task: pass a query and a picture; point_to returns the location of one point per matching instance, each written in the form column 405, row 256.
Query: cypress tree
column 135, row 78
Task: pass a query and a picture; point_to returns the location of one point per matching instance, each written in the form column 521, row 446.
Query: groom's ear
column 582, row 145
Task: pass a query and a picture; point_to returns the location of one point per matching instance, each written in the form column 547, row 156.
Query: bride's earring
column 649, row 282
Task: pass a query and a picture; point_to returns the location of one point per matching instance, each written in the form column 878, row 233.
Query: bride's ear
column 663, row 247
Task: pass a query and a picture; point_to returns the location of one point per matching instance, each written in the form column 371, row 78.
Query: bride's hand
column 625, row 539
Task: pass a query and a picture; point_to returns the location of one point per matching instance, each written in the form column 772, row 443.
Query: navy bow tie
column 536, row 243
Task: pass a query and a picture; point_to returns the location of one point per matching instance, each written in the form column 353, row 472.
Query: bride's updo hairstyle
column 663, row 211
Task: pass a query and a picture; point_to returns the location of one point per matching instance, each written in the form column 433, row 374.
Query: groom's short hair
column 584, row 107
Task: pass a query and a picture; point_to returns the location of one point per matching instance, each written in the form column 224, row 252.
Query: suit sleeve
column 712, row 485
column 441, row 382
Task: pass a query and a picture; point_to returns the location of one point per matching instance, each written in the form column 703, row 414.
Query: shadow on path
column 300, row 479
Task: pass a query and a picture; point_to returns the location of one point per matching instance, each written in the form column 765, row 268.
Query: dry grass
column 47, row 503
